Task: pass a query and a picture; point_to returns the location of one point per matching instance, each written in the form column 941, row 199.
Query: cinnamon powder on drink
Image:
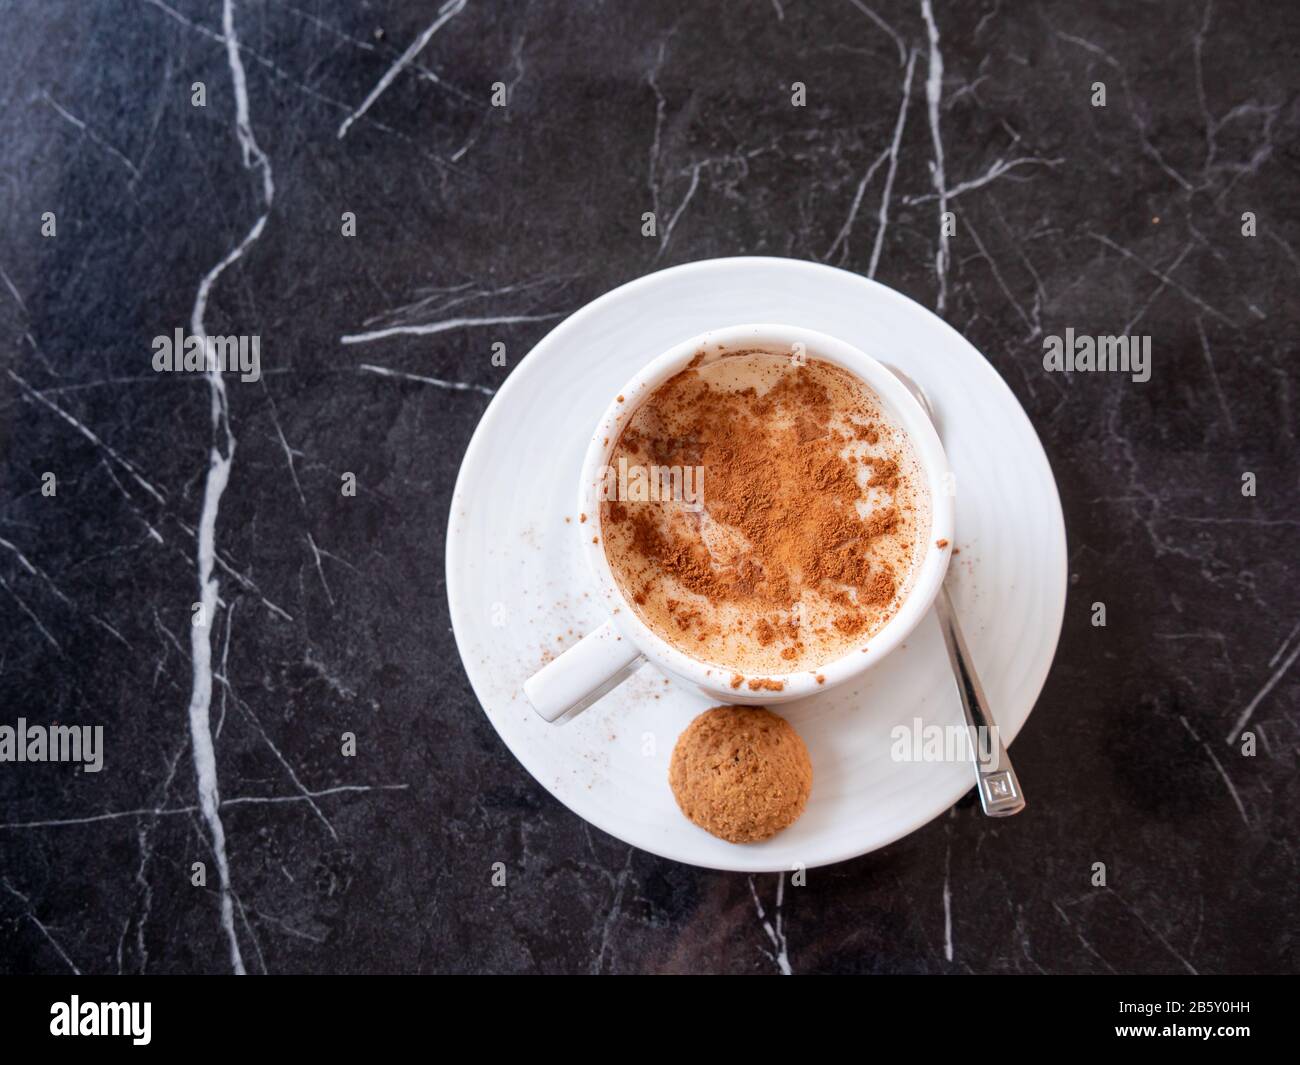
column 787, row 486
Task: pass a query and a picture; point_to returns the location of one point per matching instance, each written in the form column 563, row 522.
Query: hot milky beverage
column 763, row 514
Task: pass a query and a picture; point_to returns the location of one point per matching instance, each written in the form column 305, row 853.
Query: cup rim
column 716, row 678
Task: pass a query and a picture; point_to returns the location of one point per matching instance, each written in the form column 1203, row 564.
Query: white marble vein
column 448, row 11
column 1164, row 277
column 430, row 328
column 417, row 70
column 661, row 109
column 1223, row 773
column 267, row 64
column 91, row 134
column 85, row 431
column 22, row 605
column 1214, row 377
column 893, row 33
column 320, row 572
column 933, row 96
column 893, row 166
column 111, row 631
column 13, row 290
column 1278, row 673
column 996, row 169
column 302, row 789
column 615, row 910
column 144, row 834
column 252, row 934
column 187, row 811
column 841, row 238
column 438, row 382
column 1159, row 938
column 667, row 234
column 775, row 933
column 284, row 444
column 220, row 457
column 1095, row 49
column 1167, row 272
column 1080, row 936
column 31, row 916
column 34, row 570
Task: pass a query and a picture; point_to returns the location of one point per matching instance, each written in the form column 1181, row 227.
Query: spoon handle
column 1000, row 793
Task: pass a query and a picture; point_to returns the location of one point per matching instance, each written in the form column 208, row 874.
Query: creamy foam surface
column 764, row 515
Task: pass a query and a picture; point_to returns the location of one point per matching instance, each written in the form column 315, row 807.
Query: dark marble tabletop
column 189, row 164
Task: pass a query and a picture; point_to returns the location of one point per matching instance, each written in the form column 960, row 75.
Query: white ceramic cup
column 606, row 657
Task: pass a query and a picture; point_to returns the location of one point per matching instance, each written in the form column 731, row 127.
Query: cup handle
column 591, row 668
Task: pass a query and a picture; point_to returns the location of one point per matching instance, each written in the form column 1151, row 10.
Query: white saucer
column 520, row 591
